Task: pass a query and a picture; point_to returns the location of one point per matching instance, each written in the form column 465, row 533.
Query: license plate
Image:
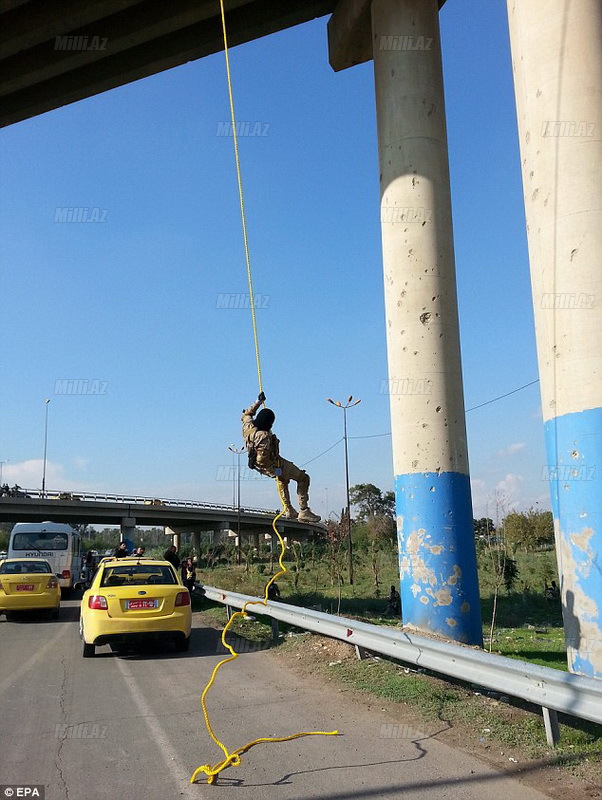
column 25, row 587
column 134, row 605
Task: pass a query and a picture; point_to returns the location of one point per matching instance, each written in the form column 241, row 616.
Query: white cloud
column 509, row 494
column 28, row 474
column 511, row 449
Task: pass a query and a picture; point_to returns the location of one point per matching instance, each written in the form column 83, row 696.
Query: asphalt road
column 126, row 725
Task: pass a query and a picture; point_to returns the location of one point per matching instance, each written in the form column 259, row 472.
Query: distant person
column 89, row 567
column 552, row 591
column 121, row 551
column 273, row 592
column 139, row 552
column 189, row 575
column 171, row 555
column 394, row 603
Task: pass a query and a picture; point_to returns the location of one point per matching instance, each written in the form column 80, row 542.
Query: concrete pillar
column 128, row 529
column 439, row 586
column 557, row 63
column 175, row 537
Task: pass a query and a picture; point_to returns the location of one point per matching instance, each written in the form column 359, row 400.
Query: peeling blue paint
column 574, row 469
column 437, row 558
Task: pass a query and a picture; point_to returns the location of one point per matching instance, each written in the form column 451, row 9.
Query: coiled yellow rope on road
column 233, row 758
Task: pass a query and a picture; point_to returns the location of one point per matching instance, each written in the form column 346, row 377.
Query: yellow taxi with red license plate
column 28, row 584
column 134, row 599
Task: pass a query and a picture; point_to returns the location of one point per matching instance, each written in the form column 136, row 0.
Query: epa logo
column 22, row 791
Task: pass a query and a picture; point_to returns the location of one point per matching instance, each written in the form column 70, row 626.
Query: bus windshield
column 40, row 540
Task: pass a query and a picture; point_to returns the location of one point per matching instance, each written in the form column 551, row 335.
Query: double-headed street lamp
column 238, row 451
column 349, row 404
column 45, row 449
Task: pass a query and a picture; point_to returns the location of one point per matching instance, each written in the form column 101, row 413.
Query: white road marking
column 180, row 773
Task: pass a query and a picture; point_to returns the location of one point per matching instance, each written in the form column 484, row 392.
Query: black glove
column 261, row 398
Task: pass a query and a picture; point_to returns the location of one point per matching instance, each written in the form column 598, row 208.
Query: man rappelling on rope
column 264, row 456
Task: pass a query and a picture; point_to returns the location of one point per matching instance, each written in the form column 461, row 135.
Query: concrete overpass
column 128, row 513
column 54, row 52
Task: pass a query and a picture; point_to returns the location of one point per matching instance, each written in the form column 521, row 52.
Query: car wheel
column 183, row 645
column 89, row 650
column 9, row 616
column 54, row 614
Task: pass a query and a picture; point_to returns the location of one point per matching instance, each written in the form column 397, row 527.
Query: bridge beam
column 437, row 559
column 557, row 63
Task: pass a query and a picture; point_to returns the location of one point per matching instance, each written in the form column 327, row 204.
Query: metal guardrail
column 55, row 494
column 549, row 688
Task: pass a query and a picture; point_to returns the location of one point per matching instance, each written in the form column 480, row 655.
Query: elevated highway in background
column 182, row 516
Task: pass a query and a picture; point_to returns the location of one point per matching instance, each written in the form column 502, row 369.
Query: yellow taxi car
column 28, row 584
column 133, row 599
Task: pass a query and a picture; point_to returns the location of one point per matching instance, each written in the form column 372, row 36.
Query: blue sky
column 133, row 303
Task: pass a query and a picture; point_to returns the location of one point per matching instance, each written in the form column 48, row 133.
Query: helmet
column 265, row 419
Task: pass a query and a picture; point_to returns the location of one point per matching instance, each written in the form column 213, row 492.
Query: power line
column 322, row 454
column 514, row 391
column 379, row 435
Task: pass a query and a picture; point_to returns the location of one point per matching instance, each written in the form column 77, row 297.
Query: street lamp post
column 348, row 404
column 45, row 449
column 2, row 463
column 238, row 452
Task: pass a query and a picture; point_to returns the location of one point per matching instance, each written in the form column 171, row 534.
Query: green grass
column 521, row 616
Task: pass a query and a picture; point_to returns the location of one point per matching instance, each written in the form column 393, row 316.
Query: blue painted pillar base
column 574, row 470
column 437, row 557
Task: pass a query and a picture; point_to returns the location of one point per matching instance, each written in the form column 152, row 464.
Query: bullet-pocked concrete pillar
column 557, row 64
column 437, row 559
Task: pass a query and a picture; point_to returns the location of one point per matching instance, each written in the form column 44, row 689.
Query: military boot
column 289, row 511
column 307, row 515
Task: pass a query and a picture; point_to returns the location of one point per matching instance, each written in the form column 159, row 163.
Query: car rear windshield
column 138, row 575
column 21, row 567
column 40, row 540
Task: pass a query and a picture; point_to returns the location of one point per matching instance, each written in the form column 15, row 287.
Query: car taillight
column 97, row 601
column 183, row 599
column 53, row 584
column 66, row 574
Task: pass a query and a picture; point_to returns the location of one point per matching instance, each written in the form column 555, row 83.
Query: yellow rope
column 241, row 199
column 233, row 758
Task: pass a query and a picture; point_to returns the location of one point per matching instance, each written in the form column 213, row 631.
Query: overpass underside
column 53, row 53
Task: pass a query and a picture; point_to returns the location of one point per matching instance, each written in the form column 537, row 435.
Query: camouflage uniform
column 264, row 448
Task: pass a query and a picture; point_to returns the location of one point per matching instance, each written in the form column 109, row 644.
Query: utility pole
column 45, row 449
column 238, row 452
column 349, row 404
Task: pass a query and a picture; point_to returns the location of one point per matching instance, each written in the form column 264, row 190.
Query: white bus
column 59, row 544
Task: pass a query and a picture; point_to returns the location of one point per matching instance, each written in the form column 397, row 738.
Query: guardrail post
column 228, row 613
column 360, row 652
column 550, row 720
column 275, row 630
